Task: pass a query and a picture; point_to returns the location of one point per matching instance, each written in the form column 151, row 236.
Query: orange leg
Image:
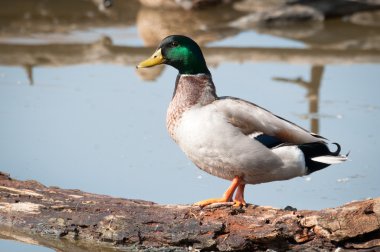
column 239, row 196
column 227, row 196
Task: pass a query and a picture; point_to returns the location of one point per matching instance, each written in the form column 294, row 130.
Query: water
column 14, row 246
column 75, row 113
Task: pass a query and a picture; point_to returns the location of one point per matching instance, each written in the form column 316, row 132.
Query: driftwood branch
column 64, row 219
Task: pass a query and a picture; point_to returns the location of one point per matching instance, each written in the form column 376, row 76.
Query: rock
column 369, row 18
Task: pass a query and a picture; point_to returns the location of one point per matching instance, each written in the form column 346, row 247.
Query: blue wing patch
column 268, row 141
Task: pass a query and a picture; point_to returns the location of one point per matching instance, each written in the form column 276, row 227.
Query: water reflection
column 202, row 26
column 30, row 56
column 325, row 42
column 47, row 241
column 38, row 18
column 312, row 88
column 39, row 34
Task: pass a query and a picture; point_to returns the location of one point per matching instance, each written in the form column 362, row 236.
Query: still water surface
column 14, row 246
column 98, row 126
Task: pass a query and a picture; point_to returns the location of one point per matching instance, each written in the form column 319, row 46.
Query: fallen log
column 65, row 219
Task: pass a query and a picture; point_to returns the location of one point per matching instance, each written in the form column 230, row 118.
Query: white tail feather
column 330, row 159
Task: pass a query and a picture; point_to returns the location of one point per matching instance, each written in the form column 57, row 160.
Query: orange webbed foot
column 227, row 196
column 239, row 197
column 206, row 202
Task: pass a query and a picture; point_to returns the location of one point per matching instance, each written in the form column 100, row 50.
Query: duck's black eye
column 174, row 44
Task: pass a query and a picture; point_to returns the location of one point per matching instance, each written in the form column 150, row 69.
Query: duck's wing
column 267, row 128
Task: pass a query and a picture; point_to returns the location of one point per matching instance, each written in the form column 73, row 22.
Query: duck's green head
column 181, row 52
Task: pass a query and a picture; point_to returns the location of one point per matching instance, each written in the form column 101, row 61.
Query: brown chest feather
column 190, row 90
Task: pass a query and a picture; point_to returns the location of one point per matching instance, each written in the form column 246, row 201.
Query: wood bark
column 66, row 219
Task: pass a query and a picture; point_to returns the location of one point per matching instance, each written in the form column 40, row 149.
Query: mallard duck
column 229, row 137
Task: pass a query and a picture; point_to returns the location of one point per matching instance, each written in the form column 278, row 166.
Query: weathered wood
column 63, row 219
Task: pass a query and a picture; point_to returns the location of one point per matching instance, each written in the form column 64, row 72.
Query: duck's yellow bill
column 155, row 59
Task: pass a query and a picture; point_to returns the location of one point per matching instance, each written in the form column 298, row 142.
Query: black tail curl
column 337, row 152
column 317, row 149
